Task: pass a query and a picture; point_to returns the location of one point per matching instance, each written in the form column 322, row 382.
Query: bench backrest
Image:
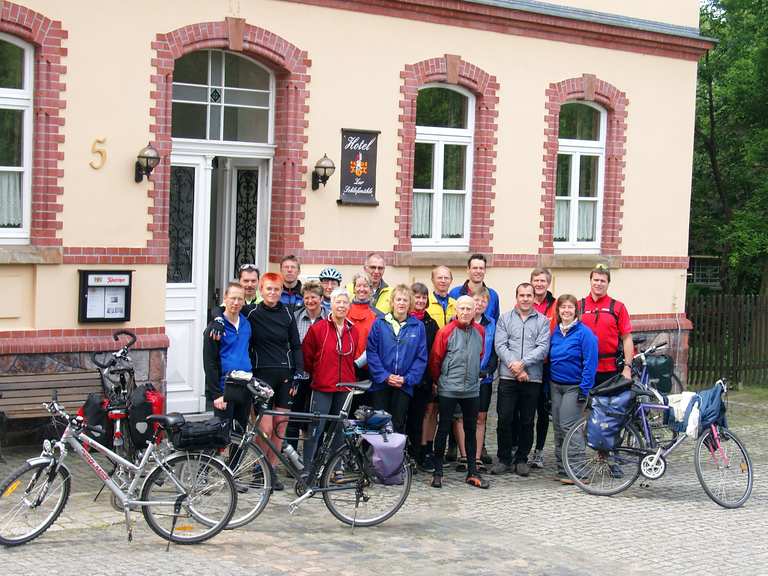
column 23, row 395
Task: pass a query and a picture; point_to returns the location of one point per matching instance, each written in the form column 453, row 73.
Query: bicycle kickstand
column 176, row 510
column 128, row 523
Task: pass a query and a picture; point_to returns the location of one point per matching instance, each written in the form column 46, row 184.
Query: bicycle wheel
column 355, row 495
column 30, row 501
column 601, row 472
column 191, row 497
column 253, row 481
column 723, row 467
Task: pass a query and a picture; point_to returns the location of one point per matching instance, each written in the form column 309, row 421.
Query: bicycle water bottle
column 293, row 456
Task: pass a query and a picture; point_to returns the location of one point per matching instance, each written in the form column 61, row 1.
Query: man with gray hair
column 374, row 266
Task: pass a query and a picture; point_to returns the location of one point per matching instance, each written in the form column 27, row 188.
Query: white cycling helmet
column 330, row 273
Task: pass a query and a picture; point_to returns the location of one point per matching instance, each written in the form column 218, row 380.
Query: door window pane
column 246, row 124
column 11, row 66
column 422, row 215
column 563, row 175
column 423, row 166
column 10, row 200
column 454, row 167
column 442, row 108
column 242, row 73
column 188, row 120
column 453, row 216
column 579, row 122
column 588, row 176
column 11, row 137
column 562, row 217
column 245, row 219
column 181, row 211
column 192, row 68
column 586, row 230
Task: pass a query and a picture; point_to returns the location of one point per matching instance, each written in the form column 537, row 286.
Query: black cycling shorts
column 486, row 391
column 281, row 380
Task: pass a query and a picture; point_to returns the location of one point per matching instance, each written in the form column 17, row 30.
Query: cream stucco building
column 538, row 133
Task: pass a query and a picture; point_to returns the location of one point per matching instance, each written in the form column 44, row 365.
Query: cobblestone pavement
column 520, row 526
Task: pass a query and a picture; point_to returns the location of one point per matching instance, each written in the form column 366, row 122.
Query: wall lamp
column 324, row 169
column 146, row 161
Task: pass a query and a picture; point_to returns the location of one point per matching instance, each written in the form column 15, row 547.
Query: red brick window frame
column 452, row 70
column 46, row 36
column 587, row 88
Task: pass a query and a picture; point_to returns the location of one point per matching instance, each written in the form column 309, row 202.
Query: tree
column 729, row 208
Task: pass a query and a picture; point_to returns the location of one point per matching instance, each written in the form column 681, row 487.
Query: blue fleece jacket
column 490, row 361
column 573, row 357
column 233, row 351
column 404, row 354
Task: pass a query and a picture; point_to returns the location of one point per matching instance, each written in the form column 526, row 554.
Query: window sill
column 10, row 254
column 579, row 260
column 429, row 259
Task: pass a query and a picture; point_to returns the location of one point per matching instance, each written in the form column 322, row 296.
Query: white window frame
column 21, row 99
column 439, row 137
column 208, row 87
column 576, row 149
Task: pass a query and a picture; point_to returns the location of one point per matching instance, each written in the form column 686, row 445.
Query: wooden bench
column 22, row 396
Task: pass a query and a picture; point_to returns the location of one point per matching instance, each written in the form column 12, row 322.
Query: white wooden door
column 187, row 277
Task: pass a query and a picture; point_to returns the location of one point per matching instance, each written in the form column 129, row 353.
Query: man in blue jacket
column 476, row 266
column 397, row 357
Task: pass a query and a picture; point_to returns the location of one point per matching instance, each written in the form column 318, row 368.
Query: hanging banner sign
column 358, row 167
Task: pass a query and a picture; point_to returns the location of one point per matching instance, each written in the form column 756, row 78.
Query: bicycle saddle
column 362, row 385
column 167, row 420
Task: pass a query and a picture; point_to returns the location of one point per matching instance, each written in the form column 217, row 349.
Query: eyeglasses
column 376, row 267
column 249, row 267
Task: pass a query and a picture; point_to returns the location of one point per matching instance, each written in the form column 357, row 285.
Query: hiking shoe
column 478, row 481
column 480, row 465
column 461, row 464
column 522, row 469
column 437, row 481
column 277, row 485
column 485, row 457
column 428, row 464
column 537, row 460
column 452, row 453
column 500, row 468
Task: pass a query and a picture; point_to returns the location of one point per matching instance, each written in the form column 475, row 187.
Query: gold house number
column 98, row 150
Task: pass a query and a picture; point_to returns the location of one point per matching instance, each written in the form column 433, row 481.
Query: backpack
column 619, row 345
column 143, row 401
column 607, row 418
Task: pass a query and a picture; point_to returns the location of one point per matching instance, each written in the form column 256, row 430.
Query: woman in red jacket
column 330, row 349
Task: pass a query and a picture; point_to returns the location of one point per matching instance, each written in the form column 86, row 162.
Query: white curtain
column 422, row 215
column 453, row 216
column 562, row 215
column 10, row 199
column 586, row 230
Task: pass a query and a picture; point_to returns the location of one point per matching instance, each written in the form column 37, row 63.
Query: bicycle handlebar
column 57, row 409
column 131, row 336
column 122, row 353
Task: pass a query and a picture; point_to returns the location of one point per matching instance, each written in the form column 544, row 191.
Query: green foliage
column 729, row 207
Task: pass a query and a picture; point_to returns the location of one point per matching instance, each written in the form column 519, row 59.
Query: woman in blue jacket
column 397, row 357
column 573, row 364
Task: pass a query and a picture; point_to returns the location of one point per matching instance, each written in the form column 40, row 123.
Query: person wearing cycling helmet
column 330, row 278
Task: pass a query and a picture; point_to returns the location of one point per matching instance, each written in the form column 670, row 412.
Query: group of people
column 432, row 355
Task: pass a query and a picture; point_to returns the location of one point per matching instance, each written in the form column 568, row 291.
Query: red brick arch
column 591, row 89
column 46, row 36
column 449, row 69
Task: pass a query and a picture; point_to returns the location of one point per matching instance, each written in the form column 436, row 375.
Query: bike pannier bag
column 660, row 369
column 612, row 386
column 143, row 401
column 94, row 411
column 207, row 435
column 608, row 415
column 711, row 408
column 387, row 456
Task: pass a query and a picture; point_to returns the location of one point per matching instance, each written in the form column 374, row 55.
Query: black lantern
column 324, row 169
column 146, row 161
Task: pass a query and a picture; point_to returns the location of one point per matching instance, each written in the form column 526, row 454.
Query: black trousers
column 512, row 396
column 447, row 407
column 415, row 420
column 395, row 401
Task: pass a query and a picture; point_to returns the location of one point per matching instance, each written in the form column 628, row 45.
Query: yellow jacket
column 436, row 312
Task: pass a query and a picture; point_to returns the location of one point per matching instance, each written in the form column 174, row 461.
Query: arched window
column 16, row 87
column 579, row 179
column 442, row 172
column 222, row 96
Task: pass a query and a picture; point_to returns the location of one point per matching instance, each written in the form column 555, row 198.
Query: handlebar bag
column 206, row 435
column 387, row 456
column 608, row 415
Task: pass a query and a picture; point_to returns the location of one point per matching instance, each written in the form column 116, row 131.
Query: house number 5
column 99, row 150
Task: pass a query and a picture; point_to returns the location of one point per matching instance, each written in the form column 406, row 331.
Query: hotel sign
column 358, row 167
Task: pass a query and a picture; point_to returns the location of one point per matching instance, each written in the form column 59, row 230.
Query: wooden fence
column 729, row 338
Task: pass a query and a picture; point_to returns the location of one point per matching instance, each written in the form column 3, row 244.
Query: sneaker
column 478, row 481
column 437, row 481
column 428, row 464
column 485, row 457
column 500, row 468
column 537, row 460
column 522, row 469
column 461, row 464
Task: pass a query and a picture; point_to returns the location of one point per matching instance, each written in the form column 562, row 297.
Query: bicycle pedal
column 292, row 508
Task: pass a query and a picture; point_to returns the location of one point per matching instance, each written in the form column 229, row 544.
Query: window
column 579, row 178
column 16, row 80
column 442, row 172
column 223, row 97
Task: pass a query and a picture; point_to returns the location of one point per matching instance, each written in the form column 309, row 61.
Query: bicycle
column 723, row 466
column 186, row 498
column 351, row 490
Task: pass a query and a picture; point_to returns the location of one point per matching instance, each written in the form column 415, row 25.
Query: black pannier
column 210, row 434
